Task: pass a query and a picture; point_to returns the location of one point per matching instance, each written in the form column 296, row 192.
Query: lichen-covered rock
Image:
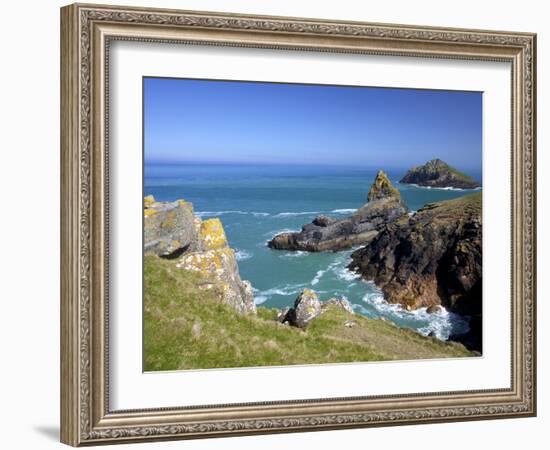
column 219, row 267
column 382, row 188
column 306, row 308
column 437, row 173
column 339, row 303
column 172, row 231
column 431, row 258
column 212, row 234
column 327, row 233
column 168, row 227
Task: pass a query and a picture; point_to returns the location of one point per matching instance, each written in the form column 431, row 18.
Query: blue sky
column 202, row 121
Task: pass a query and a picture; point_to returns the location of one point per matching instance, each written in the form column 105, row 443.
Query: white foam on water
column 441, row 325
column 296, row 254
column 345, row 274
column 202, row 214
column 344, row 211
column 447, row 188
column 291, row 214
column 258, row 300
column 318, row 276
column 241, row 255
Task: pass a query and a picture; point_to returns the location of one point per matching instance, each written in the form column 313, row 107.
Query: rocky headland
column 431, row 258
column 384, row 205
column 438, row 174
column 171, row 231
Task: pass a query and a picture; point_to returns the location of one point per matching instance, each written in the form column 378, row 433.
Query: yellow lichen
column 186, row 205
column 148, row 201
column 149, row 212
column 212, row 234
column 209, row 262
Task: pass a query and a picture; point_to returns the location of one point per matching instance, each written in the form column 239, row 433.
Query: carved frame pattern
column 86, row 418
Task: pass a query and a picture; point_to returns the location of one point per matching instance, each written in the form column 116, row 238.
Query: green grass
column 188, row 328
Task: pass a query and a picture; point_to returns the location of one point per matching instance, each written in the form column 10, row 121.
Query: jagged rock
column 171, row 230
column 384, row 206
column 218, row 265
column 431, row 258
column 340, row 303
column 437, row 173
column 306, row 308
column 168, row 227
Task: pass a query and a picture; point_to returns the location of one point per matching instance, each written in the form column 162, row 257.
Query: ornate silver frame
column 86, row 31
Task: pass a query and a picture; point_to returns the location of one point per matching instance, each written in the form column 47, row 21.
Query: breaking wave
column 448, row 188
column 344, row 211
column 241, row 255
column 441, row 324
column 202, row 214
column 291, row 214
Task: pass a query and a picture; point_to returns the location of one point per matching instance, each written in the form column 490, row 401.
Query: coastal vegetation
column 199, row 313
column 186, row 327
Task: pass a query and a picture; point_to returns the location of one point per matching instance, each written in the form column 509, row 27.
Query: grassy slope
column 455, row 208
column 186, row 328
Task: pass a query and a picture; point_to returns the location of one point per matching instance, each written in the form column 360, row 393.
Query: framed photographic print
column 275, row 224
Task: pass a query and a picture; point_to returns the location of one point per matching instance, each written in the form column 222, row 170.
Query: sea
column 256, row 202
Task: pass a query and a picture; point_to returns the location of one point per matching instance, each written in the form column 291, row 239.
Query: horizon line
column 287, row 163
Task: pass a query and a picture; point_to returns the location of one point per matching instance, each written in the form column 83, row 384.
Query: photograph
column 294, row 224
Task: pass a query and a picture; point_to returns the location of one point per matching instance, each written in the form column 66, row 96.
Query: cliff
column 384, row 206
column 431, row 258
column 437, row 173
column 181, row 332
column 171, row 231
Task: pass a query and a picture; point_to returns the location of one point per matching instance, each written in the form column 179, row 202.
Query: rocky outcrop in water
column 173, row 232
column 431, row 258
column 437, row 173
column 328, row 233
column 307, row 307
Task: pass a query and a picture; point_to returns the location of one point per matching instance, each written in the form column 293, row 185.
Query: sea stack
column 384, row 206
column 439, row 174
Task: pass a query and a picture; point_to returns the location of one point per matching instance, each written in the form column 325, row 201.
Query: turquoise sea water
column 257, row 202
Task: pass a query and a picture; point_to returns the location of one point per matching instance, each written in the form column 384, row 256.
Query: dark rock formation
column 327, row 233
column 172, row 231
column 436, row 173
column 431, row 258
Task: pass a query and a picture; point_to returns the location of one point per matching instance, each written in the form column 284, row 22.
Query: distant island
column 438, row 174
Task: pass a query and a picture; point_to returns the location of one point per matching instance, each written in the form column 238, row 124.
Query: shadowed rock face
column 437, row 173
column 328, row 233
column 431, row 258
column 172, row 231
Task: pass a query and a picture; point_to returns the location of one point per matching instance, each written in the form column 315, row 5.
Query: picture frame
column 87, row 32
